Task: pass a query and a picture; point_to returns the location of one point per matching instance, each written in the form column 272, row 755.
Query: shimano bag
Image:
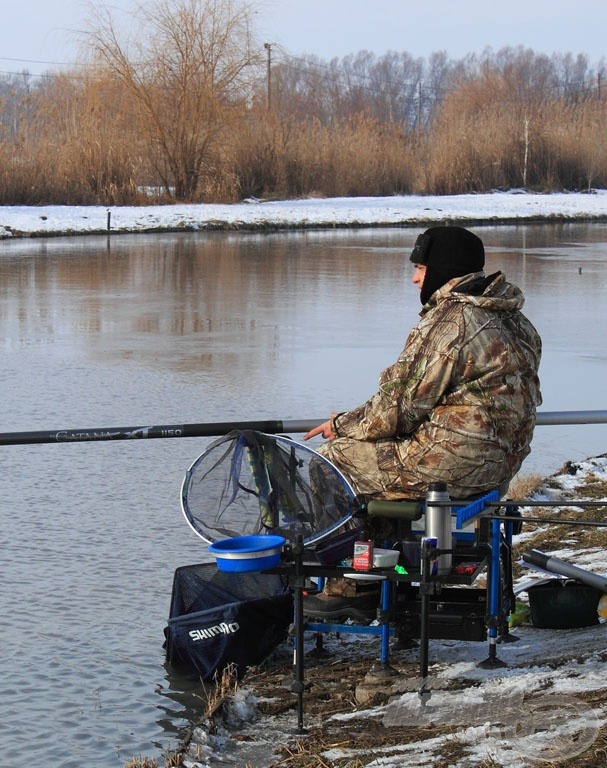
column 219, row 619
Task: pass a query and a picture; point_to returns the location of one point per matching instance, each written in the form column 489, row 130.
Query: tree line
column 191, row 106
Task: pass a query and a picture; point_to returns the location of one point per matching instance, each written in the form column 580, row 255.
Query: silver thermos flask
column 438, row 523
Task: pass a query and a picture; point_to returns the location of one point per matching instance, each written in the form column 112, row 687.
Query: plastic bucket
column 563, row 604
column 248, row 553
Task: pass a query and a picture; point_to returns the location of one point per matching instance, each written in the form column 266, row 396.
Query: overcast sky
column 35, row 31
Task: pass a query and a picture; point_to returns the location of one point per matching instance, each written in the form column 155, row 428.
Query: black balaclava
column 446, row 252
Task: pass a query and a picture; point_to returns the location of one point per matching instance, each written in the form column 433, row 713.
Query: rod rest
column 404, row 509
column 412, row 509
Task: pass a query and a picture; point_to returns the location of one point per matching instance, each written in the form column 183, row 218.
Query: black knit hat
column 447, row 252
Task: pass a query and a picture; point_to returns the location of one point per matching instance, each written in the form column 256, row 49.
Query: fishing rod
column 217, row 429
column 151, row 432
column 551, row 520
column 552, row 503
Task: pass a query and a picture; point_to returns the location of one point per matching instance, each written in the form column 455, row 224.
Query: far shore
column 514, row 208
column 301, row 226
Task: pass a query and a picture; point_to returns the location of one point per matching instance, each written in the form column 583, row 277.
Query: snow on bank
column 514, row 206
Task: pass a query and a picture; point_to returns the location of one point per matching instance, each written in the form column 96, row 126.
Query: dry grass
column 224, row 686
column 82, row 140
column 523, row 487
column 555, row 536
column 171, row 760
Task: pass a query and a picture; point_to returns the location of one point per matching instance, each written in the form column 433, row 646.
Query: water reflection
column 182, row 702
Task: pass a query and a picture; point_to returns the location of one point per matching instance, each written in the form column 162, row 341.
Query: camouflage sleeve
column 409, row 389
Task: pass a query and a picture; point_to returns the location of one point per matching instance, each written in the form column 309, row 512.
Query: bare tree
column 187, row 68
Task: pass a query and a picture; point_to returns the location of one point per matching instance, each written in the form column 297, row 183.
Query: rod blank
column 216, row 429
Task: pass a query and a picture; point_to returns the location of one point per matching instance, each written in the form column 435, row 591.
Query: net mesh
column 250, row 483
column 202, row 586
column 219, row 619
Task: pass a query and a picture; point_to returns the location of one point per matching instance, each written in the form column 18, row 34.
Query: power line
column 338, row 76
column 34, row 61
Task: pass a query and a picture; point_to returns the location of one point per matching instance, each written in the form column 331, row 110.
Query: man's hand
column 323, row 429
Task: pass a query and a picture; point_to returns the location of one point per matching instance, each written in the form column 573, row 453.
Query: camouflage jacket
column 462, row 396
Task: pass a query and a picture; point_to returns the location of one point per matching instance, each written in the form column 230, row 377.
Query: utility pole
column 268, row 47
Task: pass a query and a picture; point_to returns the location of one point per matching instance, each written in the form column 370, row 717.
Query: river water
column 170, row 329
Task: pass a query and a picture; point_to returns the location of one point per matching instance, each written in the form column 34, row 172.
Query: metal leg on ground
column 425, row 589
column 384, row 667
column 298, row 685
column 494, row 589
column 506, row 637
column 319, row 651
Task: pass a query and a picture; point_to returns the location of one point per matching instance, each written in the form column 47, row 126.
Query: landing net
column 249, row 482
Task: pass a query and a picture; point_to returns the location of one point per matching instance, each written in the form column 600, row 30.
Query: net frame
column 240, row 496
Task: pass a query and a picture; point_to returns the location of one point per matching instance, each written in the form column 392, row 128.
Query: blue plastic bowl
column 248, row 553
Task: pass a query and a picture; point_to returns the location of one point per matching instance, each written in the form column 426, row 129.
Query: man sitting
column 459, row 404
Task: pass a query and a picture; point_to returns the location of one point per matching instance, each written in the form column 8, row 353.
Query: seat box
column 455, row 614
